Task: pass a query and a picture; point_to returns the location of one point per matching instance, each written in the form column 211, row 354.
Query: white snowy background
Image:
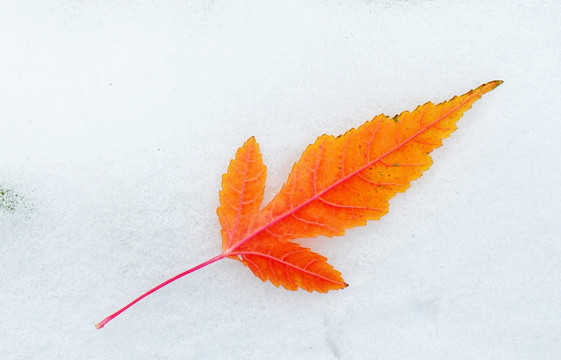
column 118, row 118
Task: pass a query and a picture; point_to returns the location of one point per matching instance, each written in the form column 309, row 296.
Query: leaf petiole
column 178, row 276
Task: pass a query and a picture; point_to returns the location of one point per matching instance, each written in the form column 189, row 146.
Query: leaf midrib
column 342, row 180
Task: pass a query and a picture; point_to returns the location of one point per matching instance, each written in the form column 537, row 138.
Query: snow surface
column 118, row 118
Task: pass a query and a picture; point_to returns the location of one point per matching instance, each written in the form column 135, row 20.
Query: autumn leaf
column 338, row 183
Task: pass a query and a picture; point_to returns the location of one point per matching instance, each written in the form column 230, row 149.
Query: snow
column 118, row 119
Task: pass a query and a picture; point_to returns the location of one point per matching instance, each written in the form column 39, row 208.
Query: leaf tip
column 492, row 84
column 485, row 88
column 496, row 83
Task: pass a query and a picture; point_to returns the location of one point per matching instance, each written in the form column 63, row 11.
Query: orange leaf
column 338, row 183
